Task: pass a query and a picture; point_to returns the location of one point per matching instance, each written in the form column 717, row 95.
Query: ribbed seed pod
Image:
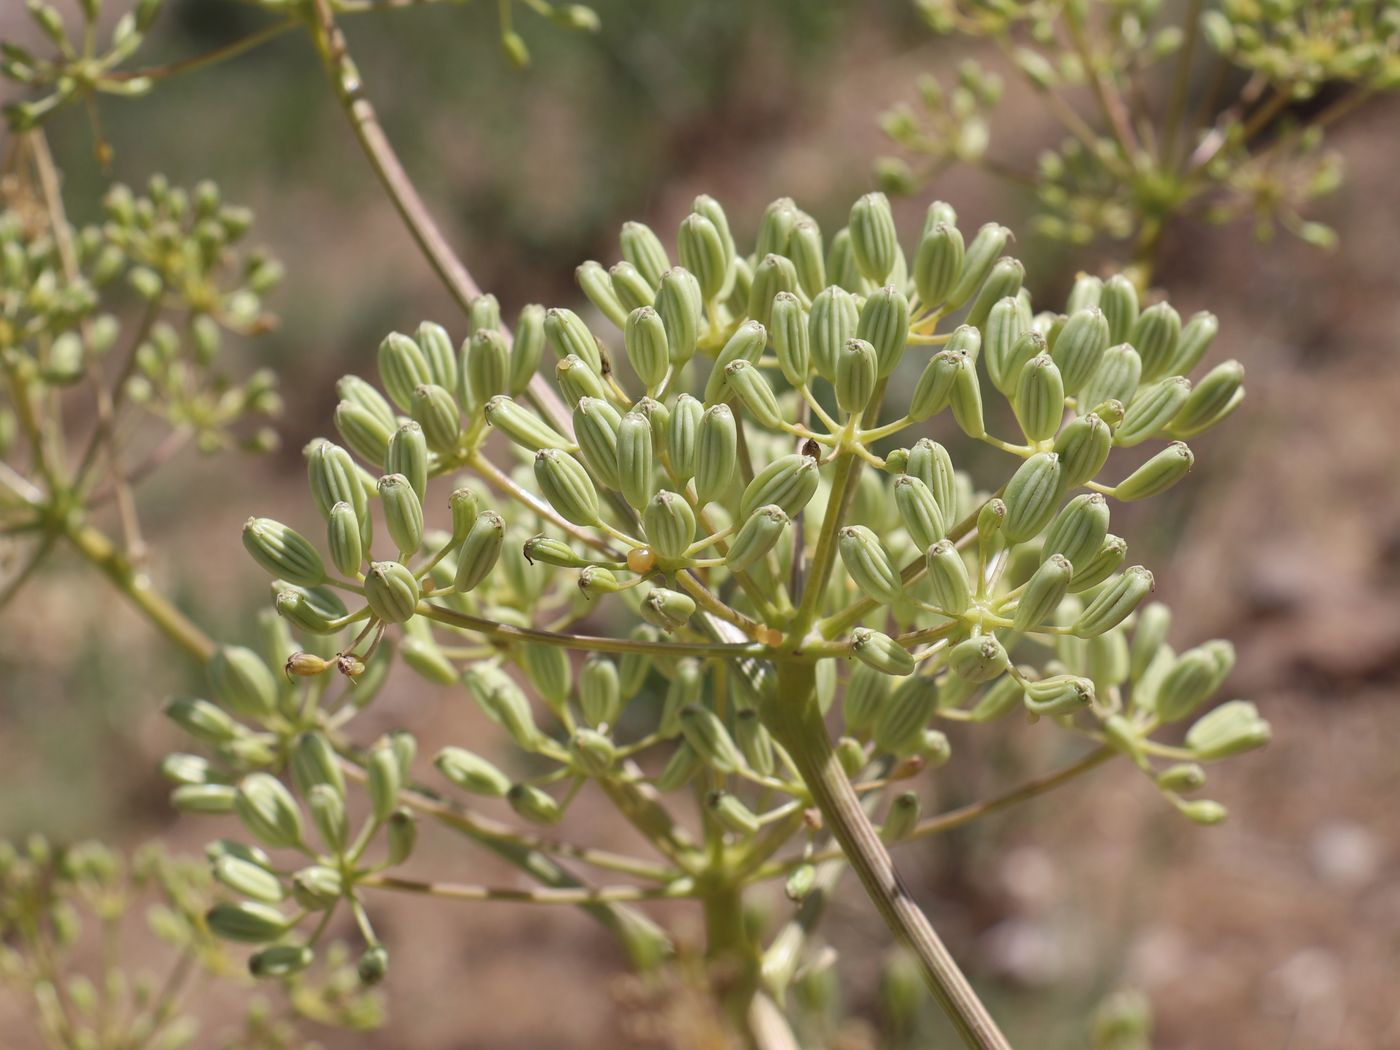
column 788, row 330
column 1078, row 530
column 1004, row 280
column 965, row 394
column 595, row 580
column 577, row 381
column 407, row 454
column 745, row 383
column 903, row 718
column 1043, row 592
column 644, row 336
column 596, row 284
column 335, row 479
column 1085, row 294
column 343, row 539
column 1112, row 605
column 1214, row 398
column 683, row 435
column 774, row 274
column 755, row 742
column 527, row 349
column 667, row 609
column 682, row 766
column 1149, row 635
column 479, row 551
column 551, row 551
column 703, row 253
column 856, row 369
column 1119, row 303
column 669, row 524
column 684, row 689
column 1083, row 447
column 934, row 389
column 1155, row 335
column 269, row 812
column 1230, row 729
column 402, row 368
column 318, row 610
column 1032, row 495
column 247, row 922
column 938, row 263
column 919, row 511
column 1040, row 398
column 314, row 762
column 566, row 333
column 978, row 659
column 636, row 463
column 1103, row 564
column 868, row 564
column 979, row 258
column 403, row 513
column 485, row 368
column 1152, row 409
column 880, row 652
column 596, row 425
column 435, row 410
column 242, row 680
column 361, row 394
column 633, row 290
column 426, row 658
column 789, row 482
column 391, row 590
column 746, row 344
column 365, row 433
column 831, row 323
column 534, row 804
column 522, row 426
column 1116, row 378
column 884, row 324
column 841, row 263
column 1157, row 475
column 1028, row 345
column 678, row 301
column 592, row 752
column 383, row 782
column 1080, row 346
column 567, row 486
column 483, row 312
column 874, row 242
column 283, row 551
column 865, row 698
column 1003, row 326
column 758, row 534
column 643, row 249
column 1059, row 694
column 1001, row 697
column 549, row 671
column 1195, row 340
column 1191, row 679
column 716, row 453
column 775, row 228
column 731, row 814
column 1107, row 658
column 599, row 691
column 948, row 578
column 930, row 463
column 805, row 251
column 470, row 772
column 709, row 739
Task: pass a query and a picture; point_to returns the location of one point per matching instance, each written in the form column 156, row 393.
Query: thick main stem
column 792, row 715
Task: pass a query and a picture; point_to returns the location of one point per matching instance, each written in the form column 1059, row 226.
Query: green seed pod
column 1085, row 294
column 479, row 551
column 595, row 580
column 938, row 263
column 1184, row 776
column 679, row 302
column 746, row 384
column 1005, row 694
column 436, row 412
column 630, row 287
column 901, row 820
column 313, row 762
column 757, row 536
column 789, row 482
column 504, row 703
column 934, row 389
column 1040, row 399
column 1028, row 345
column 1032, row 495
column 850, row 753
column 533, row 804
column 684, row 689
column 636, row 463
column 856, row 369
column 905, row 715
column 1217, row 395
column 680, row 769
column 566, row 333
column 207, row 799
column 1203, row 811
column 831, row 323
column 978, row 659
column 549, row 671
column 1079, row 529
column 1230, row 729
column 1195, row 340
column 592, row 753
column 567, row 486
column 791, row 342
column 805, row 250
column 643, row 249
column 188, row 769
column 522, row 426
column 874, row 242
column 528, row 348
column 981, row 255
column 247, row 922
column 669, row 524
column 1112, row 605
column 1004, row 280
column 1157, row 475
column 1191, row 679
column 576, row 380
column 317, row 610
column 1004, row 325
column 597, row 285
column 1149, row 634
column 775, row 228
column 869, row 564
column 483, row 313
column 1079, row 347
column 282, row 551
column 919, row 511
column 1119, row 303
column 392, row 591
column 436, row 345
column 248, row 879
column 470, row 772
column 948, row 578
column 841, row 264
column 930, row 463
column 268, row 811
column 884, row 324
column 775, row 274
column 1116, row 377
column 242, row 680
column 485, row 368
column 964, row 393
column 880, row 652
column 426, row 658
column 644, row 335
column 866, row 694
column 667, row 609
column 407, row 454
column 1059, row 694
column 709, row 739
column 363, row 431
column 596, row 424
column 800, row 882
column 599, row 691
column 1083, row 447
column 746, row 344
column 731, row 814
column 403, row 513
column 551, row 551
column 317, row 887
column 1152, row 409
column 755, row 742
column 715, row 450
column 335, row 479
column 402, row 368
column 1044, row 591
column 1155, row 335
column 1103, row 564
column 703, row 253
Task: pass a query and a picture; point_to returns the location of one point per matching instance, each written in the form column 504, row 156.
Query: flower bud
column 1085, row 294
column 919, row 511
column 1191, row 679
column 243, row 681
column 774, row 274
column 948, row 578
column 248, row 879
column 593, row 753
column 800, row 882
column 284, row 552
column 528, row 348
column 596, row 283
column 403, row 513
column 1043, row 593
column 902, row 818
column 1149, row 634
column 1106, row 657
column 631, row 289
column 937, row 263
column 1079, row 529
column 470, row 772
column 504, row 703
column 679, row 302
column 709, row 739
column 1039, row 399
column 567, row 486
column 479, row 551
column 596, row 579
column 880, row 652
column 906, row 714
column 569, row 337
column 1000, row 698
column 1003, row 281
column 483, row 313
column 1032, row 496
column 281, row 960
column 746, row 344
column 874, row 242
column 866, row 695
column 1119, row 303
column 643, row 249
column 373, row 965
column 1184, row 776
column 533, row 804
column 402, row 368
column 1059, row 694
column 746, row 383
column 391, row 590
column 522, row 426
column 317, row 610
column 268, row 811
column 667, row 609
column 715, row 450
column 1103, row 564
column 1230, row 729
column 1203, row 811
column 979, row 258
column 317, row 887
column 1157, row 475
column 1155, row 335
column 884, row 324
column 1152, row 409
column 731, row 814
column 831, row 324
column 1080, row 346
column 1116, row 377
column 188, row 769
column 687, row 682
column 328, row 816
column 855, row 376
column 485, row 368
column 683, row 435
column 1112, row 605
column 247, row 922
column 644, row 336
column 335, row 479
column 930, row 463
column 1195, row 340
column 576, row 380
column 703, row 252
column 596, row 424
column 669, row 524
column 758, row 534
column 755, row 742
column 636, row 463
column 407, row 454
column 978, row 659
column 206, row 799
column 436, row 412
column 869, row 564
column 791, row 342
column 1083, row 447
column 1214, row 398
column 551, row 551
column 789, row 482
